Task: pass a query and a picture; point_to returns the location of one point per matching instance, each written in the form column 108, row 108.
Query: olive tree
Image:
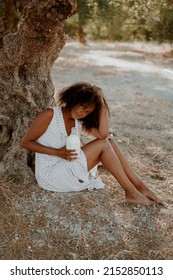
column 31, row 38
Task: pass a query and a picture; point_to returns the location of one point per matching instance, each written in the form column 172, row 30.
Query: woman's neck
column 68, row 121
column 67, row 114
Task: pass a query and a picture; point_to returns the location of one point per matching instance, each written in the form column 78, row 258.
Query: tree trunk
column 27, row 54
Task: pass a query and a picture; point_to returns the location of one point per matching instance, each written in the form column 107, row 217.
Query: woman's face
column 80, row 111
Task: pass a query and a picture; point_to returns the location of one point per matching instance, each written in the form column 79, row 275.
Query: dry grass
column 107, row 229
column 12, row 226
column 36, row 224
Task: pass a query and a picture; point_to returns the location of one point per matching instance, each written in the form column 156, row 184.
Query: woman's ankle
column 140, row 186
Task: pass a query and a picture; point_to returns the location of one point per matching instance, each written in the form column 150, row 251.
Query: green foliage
column 124, row 20
column 84, row 12
column 2, row 8
column 166, row 21
column 10, row 15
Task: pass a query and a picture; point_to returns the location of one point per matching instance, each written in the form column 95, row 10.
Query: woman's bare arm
column 38, row 127
column 102, row 131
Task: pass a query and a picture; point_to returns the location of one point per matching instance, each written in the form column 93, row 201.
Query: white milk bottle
column 73, row 141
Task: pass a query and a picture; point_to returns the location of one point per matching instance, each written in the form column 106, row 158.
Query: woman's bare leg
column 136, row 181
column 101, row 150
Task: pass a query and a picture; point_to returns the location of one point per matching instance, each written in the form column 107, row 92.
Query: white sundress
column 59, row 175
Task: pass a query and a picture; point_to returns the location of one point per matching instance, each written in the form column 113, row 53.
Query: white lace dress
column 56, row 174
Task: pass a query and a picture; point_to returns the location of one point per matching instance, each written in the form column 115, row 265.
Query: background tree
column 31, row 37
column 124, row 20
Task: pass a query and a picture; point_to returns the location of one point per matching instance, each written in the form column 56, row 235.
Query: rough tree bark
column 31, row 38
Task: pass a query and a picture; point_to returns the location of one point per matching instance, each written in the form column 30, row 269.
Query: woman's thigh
column 93, row 150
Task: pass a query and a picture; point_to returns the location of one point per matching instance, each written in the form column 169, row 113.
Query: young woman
column 59, row 169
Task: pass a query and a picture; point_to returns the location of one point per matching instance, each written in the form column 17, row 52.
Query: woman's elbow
column 104, row 135
column 24, row 143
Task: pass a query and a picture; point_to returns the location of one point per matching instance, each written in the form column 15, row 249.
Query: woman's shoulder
column 48, row 114
column 44, row 117
column 49, row 111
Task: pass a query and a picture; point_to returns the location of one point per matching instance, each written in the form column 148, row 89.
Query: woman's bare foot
column 149, row 194
column 138, row 198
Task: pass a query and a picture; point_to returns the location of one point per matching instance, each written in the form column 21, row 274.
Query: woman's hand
column 101, row 95
column 69, row 155
column 98, row 90
column 102, row 132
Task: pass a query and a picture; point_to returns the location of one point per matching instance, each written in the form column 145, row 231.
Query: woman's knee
column 104, row 143
column 101, row 141
column 113, row 144
column 112, row 141
column 97, row 145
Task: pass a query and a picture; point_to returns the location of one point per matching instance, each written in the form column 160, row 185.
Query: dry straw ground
column 36, row 224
